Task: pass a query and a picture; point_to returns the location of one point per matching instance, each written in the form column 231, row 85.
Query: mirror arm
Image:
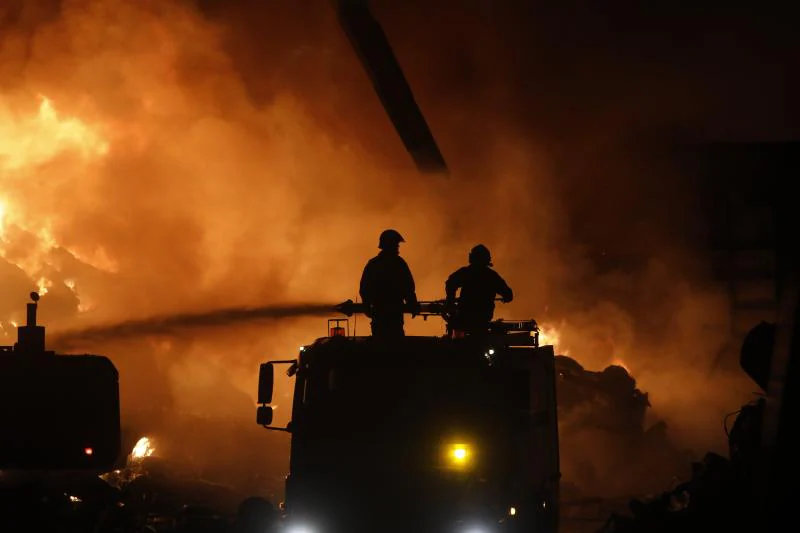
column 275, row 428
column 287, row 429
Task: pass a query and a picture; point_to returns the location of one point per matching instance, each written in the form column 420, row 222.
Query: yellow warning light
column 459, row 455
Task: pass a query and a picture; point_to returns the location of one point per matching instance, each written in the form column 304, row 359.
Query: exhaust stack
column 30, row 337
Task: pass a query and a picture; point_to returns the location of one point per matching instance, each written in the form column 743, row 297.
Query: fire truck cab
column 425, row 434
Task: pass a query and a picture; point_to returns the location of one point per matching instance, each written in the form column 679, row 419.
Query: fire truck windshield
column 397, row 396
column 416, row 416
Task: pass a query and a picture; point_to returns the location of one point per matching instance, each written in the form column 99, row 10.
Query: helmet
column 480, row 256
column 390, row 238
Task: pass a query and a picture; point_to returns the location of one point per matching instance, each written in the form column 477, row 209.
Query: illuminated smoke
column 155, row 163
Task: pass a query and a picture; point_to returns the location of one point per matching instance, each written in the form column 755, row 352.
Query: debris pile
column 156, row 488
column 719, row 496
column 604, row 400
column 162, row 488
column 716, row 498
column 607, row 448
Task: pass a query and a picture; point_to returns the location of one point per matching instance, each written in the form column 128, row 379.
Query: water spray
column 170, row 324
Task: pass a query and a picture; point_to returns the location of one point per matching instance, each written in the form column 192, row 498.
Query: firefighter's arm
column 452, row 285
column 411, row 291
column 366, row 288
column 504, row 290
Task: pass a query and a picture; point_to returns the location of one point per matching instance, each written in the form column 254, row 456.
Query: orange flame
column 31, row 142
column 549, row 335
column 143, row 448
column 26, row 237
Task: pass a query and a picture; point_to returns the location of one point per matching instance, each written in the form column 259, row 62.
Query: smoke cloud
column 172, row 158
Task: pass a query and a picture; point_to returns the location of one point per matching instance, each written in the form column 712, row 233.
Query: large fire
column 28, row 144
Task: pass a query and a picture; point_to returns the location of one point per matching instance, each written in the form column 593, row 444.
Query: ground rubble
column 718, row 496
column 722, row 493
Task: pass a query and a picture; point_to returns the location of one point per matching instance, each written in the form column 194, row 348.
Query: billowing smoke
column 162, row 157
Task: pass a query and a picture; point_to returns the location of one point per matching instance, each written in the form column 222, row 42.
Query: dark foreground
column 156, row 494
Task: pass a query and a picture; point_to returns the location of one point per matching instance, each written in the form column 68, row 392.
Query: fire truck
column 450, row 434
column 57, row 412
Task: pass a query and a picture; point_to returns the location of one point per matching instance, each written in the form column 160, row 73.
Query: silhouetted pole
column 779, row 486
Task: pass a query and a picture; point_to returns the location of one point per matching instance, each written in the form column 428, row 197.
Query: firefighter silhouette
column 387, row 286
column 479, row 285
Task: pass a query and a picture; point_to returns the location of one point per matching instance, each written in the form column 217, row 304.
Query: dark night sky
column 566, row 67
column 562, row 70
column 569, row 61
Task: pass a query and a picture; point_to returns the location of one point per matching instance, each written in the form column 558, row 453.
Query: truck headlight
column 300, row 528
column 476, row 527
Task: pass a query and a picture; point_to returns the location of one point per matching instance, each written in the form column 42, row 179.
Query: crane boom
column 378, row 60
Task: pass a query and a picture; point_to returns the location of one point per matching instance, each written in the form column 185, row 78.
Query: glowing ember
column 144, row 448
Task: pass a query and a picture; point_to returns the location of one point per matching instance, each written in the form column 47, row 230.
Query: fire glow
column 143, row 448
column 28, row 144
column 549, row 335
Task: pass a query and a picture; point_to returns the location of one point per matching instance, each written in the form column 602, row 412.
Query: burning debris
column 144, row 448
column 134, row 465
column 166, row 494
column 606, row 409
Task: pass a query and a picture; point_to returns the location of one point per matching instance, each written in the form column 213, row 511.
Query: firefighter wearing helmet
column 387, row 286
column 479, row 286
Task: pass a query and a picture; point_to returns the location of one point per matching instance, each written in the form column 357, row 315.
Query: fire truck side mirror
column 264, row 415
column 266, row 382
